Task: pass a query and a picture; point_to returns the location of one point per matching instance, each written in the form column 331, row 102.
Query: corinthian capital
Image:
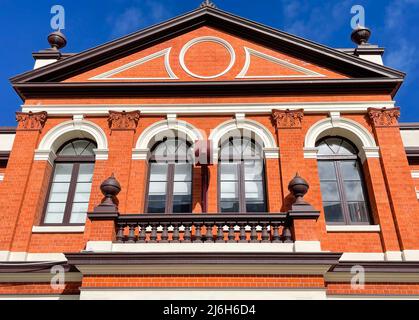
column 384, row 117
column 31, row 120
column 123, row 120
column 287, row 118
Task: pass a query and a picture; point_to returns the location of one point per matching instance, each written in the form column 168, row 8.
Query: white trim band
column 353, row 228
column 209, row 108
column 57, row 229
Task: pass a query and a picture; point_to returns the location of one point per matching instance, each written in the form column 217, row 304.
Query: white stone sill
column 374, row 228
column 57, row 229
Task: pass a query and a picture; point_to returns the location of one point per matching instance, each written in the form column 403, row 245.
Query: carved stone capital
column 123, row 120
column 283, row 119
column 31, row 120
column 384, row 117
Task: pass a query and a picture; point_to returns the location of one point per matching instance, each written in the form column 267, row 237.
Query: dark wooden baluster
column 175, row 233
column 131, row 233
column 120, row 232
column 187, row 233
column 164, row 234
column 209, row 237
column 142, row 233
column 153, row 235
column 243, row 232
column 231, row 233
column 275, row 236
column 253, row 233
column 198, row 236
column 286, row 235
column 220, row 233
column 265, row 234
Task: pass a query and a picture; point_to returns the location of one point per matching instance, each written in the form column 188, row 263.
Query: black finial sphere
column 57, row 40
column 361, row 35
column 298, row 187
column 110, row 187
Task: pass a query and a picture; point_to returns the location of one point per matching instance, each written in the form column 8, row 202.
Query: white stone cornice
column 45, row 155
column 140, row 154
column 210, row 108
column 101, row 154
column 310, row 153
column 271, row 153
column 369, row 152
column 353, row 228
column 415, row 174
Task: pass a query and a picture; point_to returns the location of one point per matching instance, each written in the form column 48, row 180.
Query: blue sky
column 25, row 25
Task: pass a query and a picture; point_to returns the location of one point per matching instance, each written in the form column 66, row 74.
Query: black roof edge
column 409, row 125
column 377, row 266
column 221, row 88
column 7, row 130
column 198, row 17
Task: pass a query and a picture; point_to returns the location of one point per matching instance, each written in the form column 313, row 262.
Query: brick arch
column 69, row 130
column 224, row 128
column 346, row 128
column 148, row 136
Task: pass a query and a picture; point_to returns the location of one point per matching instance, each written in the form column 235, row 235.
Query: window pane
column 85, row 172
column 353, row 191
column 229, row 190
column 158, row 172
column 229, row 172
column 229, row 206
column 347, row 149
column 350, row 170
column 54, row 213
column 63, row 172
column 254, row 190
column 82, row 192
column 156, row 206
column 182, row 188
column 255, row 207
column 253, row 170
column 158, row 187
column 330, row 191
column 59, row 192
column 333, row 212
column 182, row 207
column 183, row 172
column 78, row 212
column 358, row 212
column 327, row 170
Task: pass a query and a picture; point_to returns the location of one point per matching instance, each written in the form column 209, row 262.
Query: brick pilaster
column 397, row 176
column 15, row 183
column 290, row 136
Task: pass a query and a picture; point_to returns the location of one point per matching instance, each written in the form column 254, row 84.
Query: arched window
column 69, row 193
column 170, row 177
column 241, row 176
column 345, row 199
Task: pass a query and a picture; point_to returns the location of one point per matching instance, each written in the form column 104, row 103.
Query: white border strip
column 57, row 229
column 251, row 52
column 415, row 174
column 210, row 108
column 352, row 228
column 166, row 53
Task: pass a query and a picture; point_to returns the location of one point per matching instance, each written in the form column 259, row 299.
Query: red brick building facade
column 209, row 157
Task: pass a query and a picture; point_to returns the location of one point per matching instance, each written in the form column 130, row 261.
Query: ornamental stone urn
column 298, row 187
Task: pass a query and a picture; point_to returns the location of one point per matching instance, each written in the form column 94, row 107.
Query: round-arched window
column 345, row 199
column 69, row 191
column 170, row 177
column 241, row 176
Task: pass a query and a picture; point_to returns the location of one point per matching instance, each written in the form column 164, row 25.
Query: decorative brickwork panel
column 384, row 117
column 31, row 120
column 287, row 118
column 123, row 120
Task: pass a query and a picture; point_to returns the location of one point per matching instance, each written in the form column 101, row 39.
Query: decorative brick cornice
column 283, row 119
column 123, row 120
column 31, row 120
column 384, row 117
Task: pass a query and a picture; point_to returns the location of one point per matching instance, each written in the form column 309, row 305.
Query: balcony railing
column 208, row 228
column 203, row 227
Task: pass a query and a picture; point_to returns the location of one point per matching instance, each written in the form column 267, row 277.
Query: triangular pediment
column 206, row 45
